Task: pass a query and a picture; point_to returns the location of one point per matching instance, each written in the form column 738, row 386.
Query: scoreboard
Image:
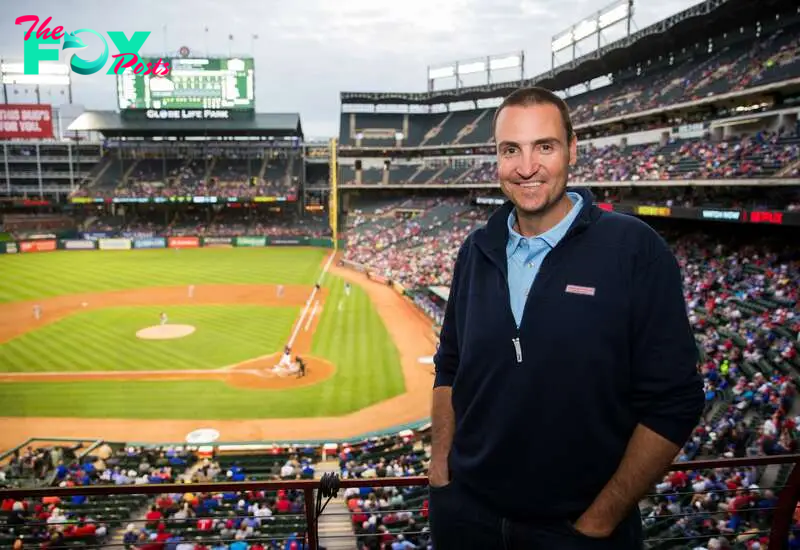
column 192, row 83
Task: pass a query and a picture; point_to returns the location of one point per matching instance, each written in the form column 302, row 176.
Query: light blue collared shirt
column 526, row 254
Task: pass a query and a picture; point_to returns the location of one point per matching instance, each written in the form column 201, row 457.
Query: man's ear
column 573, row 150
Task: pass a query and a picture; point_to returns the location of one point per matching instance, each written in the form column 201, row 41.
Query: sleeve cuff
column 443, row 379
column 675, row 430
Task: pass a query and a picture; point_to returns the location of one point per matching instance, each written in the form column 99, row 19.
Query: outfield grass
column 355, row 340
column 36, row 276
column 105, row 339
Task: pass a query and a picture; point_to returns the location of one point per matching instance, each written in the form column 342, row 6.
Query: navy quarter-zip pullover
column 544, row 411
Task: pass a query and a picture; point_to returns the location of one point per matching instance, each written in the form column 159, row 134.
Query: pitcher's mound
column 165, row 332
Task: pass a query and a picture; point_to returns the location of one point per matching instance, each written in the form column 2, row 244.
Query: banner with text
column 8, row 248
column 73, row 244
column 156, row 242
column 26, row 121
column 183, row 242
column 114, row 244
column 251, row 241
column 37, row 246
column 217, row 241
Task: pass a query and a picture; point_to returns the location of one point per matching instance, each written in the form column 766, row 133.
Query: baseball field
column 148, row 345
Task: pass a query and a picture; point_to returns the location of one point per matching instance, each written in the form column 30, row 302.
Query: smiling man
column 566, row 378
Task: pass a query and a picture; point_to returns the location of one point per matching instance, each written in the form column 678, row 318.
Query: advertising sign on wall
column 114, row 244
column 78, row 245
column 37, row 246
column 183, row 242
column 156, row 242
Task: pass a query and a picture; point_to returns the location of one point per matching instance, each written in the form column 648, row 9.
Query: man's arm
column 442, row 414
column 443, row 423
column 646, row 458
column 666, row 390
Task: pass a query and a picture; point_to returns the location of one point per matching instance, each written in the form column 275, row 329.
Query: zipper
column 517, row 349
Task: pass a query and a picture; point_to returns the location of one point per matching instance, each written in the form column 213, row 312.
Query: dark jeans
column 459, row 521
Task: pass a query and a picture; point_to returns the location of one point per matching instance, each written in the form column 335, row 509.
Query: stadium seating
column 733, row 65
column 763, row 155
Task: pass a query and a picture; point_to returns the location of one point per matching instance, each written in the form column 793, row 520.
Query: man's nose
column 528, row 166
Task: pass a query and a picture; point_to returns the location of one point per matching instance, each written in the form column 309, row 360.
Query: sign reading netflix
column 37, row 246
column 24, row 121
column 183, row 242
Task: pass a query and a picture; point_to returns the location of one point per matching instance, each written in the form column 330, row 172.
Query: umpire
column 566, row 375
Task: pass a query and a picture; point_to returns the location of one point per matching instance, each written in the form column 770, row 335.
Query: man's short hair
column 534, row 95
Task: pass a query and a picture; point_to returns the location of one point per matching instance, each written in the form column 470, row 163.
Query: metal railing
column 780, row 523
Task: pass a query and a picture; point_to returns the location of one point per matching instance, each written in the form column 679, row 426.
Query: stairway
column 335, row 527
column 117, row 534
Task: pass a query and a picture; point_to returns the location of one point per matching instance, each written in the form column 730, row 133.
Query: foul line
column 299, row 324
column 311, row 317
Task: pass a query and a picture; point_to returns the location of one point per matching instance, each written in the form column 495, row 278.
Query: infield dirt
column 409, row 328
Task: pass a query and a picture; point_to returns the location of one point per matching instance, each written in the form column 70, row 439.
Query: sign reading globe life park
column 188, row 114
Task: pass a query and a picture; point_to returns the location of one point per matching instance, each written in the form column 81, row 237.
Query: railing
column 314, row 490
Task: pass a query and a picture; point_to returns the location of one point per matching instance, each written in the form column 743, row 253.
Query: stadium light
column 442, row 72
column 562, row 42
column 486, row 65
column 614, row 14
column 44, row 68
column 510, row 62
column 36, row 79
column 472, row 68
column 584, row 29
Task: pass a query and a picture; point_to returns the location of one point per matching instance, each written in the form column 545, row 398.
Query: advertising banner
column 281, row 241
column 663, row 211
column 155, row 242
column 183, row 242
column 217, row 241
column 96, row 235
column 114, row 244
column 37, row 246
column 721, row 215
column 251, row 241
column 73, row 244
column 8, row 248
column 26, row 121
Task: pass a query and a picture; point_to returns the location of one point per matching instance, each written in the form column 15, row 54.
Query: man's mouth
column 530, row 184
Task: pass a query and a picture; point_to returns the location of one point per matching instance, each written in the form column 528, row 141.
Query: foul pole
column 333, row 198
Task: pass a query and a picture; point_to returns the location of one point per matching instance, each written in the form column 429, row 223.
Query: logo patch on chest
column 584, row 290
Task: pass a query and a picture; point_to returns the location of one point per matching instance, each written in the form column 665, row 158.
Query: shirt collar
column 553, row 235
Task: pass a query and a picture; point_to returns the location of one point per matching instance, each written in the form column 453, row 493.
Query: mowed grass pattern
column 36, row 276
column 105, row 339
column 355, row 340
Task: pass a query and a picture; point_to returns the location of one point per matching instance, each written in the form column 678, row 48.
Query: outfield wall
column 107, row 241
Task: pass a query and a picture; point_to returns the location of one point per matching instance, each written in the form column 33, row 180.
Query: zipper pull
column 517, row 349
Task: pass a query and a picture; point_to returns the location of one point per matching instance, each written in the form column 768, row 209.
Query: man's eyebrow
column 540, row 141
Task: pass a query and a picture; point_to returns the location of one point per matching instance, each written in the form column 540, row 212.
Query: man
column 566, row 375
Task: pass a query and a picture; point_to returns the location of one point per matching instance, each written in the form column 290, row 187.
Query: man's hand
column 593, row 530
column 438, row 473
column 646, row 458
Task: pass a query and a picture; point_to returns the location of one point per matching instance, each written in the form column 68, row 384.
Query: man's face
column 533, row 156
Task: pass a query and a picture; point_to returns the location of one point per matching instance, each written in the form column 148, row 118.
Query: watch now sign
column 26, row 121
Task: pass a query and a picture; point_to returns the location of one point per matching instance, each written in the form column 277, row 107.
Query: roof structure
column 112, row 124
column 682, row 30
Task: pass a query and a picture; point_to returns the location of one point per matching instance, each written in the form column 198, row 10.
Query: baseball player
column 280, row 291
column 347, row 289
column 191, row 291
column 163, row 318
column 37, row 311
column 286, row 360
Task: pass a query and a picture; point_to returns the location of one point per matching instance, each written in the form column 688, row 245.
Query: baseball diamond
column 83, row 354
